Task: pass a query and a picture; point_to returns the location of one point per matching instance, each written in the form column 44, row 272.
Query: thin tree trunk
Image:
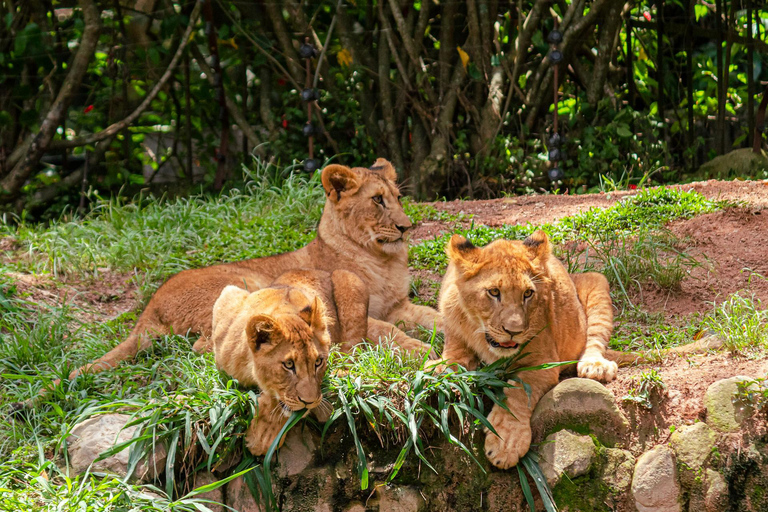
column 10, row 186
column 116, row 127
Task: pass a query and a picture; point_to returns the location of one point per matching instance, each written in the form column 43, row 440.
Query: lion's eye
column 318, row 362
column 378, row 199
column 289, row 365
column 494, row 292
column 528, row 293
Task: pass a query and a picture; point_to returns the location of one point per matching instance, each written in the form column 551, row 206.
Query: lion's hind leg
column 594, row 295
column 141, row 338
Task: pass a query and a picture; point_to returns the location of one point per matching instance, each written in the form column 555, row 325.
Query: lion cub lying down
column 496, row 298
column 278, row 338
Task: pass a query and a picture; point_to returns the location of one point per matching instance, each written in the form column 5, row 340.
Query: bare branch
column 116, row 127
column 11, row 184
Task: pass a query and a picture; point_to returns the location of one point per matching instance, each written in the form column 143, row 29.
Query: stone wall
column 586, row 452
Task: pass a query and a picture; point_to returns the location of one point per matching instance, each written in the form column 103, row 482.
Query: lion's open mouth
column 495, row 344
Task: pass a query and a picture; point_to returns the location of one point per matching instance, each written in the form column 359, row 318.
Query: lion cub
column 496, row 298
column 278, row 338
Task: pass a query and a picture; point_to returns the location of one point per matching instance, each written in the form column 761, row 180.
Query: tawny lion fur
column 496, row 298
column 277, row 339
column 363, row 229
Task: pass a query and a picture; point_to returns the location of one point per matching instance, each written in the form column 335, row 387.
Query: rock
column 617, row 469
column 312, row 491
column 89, row 438
column 296, row 453
column 565, row 453
column 716, row 494
column 357, row 507
column 400, row 499
column 725, row 412
column 693, row 444
column 740, row 162
column 239, row 496
column 579, row 404
column 204, row 478
column 654, row 485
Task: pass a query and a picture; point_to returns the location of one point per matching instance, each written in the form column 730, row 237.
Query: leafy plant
column 741, row 322
column 650, row 389
column 400, row 400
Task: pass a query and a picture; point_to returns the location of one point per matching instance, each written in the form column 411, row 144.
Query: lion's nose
column 403, row 229
column 511, row 333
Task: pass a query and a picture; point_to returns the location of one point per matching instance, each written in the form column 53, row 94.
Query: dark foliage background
column 101, row 97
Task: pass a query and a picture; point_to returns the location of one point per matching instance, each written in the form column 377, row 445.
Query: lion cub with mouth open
column 278, row 338
column 496, row 298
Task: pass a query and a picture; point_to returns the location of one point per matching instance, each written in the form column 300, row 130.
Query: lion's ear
column 338, row 179
column 538, row 245
column 261, row 330
column 464, row 254
column 385, row 169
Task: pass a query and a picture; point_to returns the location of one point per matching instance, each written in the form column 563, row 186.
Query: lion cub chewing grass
column 508, row 294
column 278, row 338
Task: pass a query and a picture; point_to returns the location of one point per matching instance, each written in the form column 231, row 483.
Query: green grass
column 419, row 212
column 159, row 237
column 649, row 390
column 648, row 210
column 741, row 322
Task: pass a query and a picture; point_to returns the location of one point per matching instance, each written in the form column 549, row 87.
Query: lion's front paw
column 597, row 368
column 505, row 450
column 261, row 434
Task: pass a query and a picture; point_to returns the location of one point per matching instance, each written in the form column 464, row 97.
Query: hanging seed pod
column 311, row 165
column 555, row 155
column 555, row 56
column 310, row 94
column 556, row 140
column 555, row 37
column 308, row 130
column 307, row 51
column 555, row 174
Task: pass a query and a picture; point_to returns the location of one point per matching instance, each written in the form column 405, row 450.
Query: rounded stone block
column 654, row 485
column 90, row 438
column 725, row 412
column 580, row 405
column 566, row 453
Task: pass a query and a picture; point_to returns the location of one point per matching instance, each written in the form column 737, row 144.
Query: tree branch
column 237, row 115
column 116, row 127
column 11, row 184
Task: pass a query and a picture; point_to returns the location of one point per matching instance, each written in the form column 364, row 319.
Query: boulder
column 583, row 405
column 654, row 485
column 725, row 411
column 400, row 499
column 90, row 438
column 716, row 494
column 297, row 452
column 239, row 496
column 217, row 495
column 693, row 444
column 739, row 162
column 566, row 453
column 617, row 470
